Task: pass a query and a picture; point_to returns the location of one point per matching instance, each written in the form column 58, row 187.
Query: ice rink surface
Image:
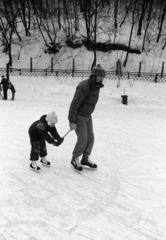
column 125, row 199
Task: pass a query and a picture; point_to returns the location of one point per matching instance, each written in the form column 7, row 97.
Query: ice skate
column 34, row 167
column 75, row 164
column 87, row 163
column 45, row 162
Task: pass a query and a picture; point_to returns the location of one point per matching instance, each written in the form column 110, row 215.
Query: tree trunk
column 95, row 32
column 144, row 6
column 147, row 23
column 131, row 32
column 161, row 24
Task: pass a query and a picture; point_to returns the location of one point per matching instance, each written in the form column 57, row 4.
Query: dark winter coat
column 41, row 130
column 4, row 83
column 84, row 100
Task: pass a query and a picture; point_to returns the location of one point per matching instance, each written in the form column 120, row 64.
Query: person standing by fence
column 12, row 88
column 4, row 83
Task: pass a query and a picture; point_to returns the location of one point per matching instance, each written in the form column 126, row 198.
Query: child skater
column 41, row 131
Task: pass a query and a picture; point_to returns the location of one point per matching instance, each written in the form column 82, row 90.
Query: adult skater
column 80, row 120
column 40, row 131
column 12, row 88
column 4, row 83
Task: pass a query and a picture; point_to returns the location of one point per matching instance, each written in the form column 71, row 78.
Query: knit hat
column 51, row 118
column 98, row 71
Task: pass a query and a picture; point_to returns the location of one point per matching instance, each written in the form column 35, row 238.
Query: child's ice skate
column 34, row 167
column 45, row 162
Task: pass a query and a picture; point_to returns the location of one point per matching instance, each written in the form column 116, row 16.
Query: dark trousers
column 38, row 149
column 13, row 92
column 13, row 95
column 5, row 93
column 85, row 136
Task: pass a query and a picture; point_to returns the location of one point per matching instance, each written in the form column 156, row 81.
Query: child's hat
column 52, row 117
column 98, row 71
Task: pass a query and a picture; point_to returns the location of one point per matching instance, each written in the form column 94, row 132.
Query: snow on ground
column 124, row 199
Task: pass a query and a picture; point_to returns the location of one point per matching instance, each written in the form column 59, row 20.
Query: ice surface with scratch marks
column 125, row 199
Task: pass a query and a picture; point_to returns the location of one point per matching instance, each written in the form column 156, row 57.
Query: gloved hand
column 55, row 143
column 72, row 126
column 60, row 141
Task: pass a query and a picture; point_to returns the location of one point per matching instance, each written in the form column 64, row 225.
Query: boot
column 76, row 164
column 13, row 96
column 45, row 162
column 34, row 167
column 87, row 163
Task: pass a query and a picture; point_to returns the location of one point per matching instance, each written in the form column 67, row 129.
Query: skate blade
column 35, row 170
column 46, row 165
column 80, row 172
column 89, row 168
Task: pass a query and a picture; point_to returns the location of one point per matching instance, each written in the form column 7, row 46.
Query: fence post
column 116, row 68
column 51, row 65
column 31, row 65
column 155, row 79
column 73, row 67
column 162, row 69
column 20, row 71
column 46, row 72
column 139, row 71
column 128, row 75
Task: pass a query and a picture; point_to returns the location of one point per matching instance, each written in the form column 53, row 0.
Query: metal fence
column 151, row 77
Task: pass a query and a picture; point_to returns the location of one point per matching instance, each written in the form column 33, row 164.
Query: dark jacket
column 84, row 100
column 4, row 83
column 40, row 130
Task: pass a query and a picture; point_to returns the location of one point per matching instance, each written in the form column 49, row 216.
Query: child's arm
column 42, row 129
column 53, row 131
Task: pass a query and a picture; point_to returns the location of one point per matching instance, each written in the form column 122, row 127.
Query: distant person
column 80, row 120
column 13, row 90
column 41, row 131
column 1, row 92
column 4, row 83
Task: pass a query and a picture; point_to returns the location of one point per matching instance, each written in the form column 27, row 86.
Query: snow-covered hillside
column 34, row 47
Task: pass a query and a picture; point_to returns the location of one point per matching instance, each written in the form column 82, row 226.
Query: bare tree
column 149, row 16
column 143, row 10
column 131, row 31
column 59, row 14
column 24, row 12
column 95, row 31
column 127, row 8
column 8, row 27
column 45, row 20
column 161, row 23
column 14, row 14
